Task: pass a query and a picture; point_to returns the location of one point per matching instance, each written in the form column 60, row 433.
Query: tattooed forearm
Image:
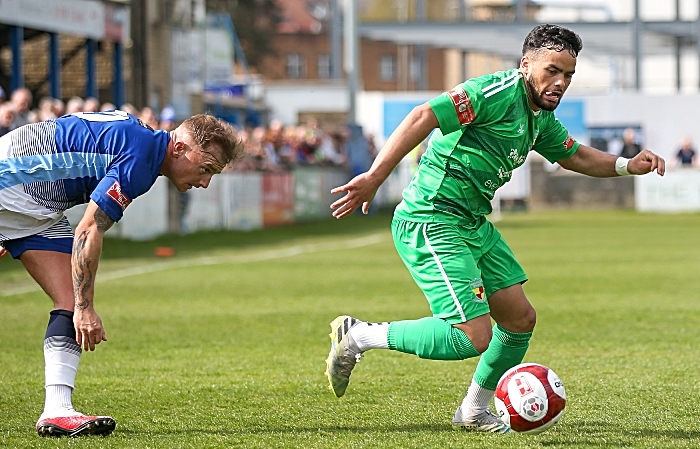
column 102, row 220
column 83, row 277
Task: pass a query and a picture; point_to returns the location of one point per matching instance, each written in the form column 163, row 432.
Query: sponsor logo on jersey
column 115, row 192
column 462, row 104
column 477, row 286
column 569, row 142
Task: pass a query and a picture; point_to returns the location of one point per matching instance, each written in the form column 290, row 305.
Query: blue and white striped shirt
column 49, row 167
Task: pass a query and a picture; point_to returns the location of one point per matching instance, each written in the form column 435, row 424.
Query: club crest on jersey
column 477, row 286
column 462, row 104
column 115, row 192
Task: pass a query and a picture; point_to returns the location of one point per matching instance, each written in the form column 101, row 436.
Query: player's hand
column 646, row 162
column 3, row 252
column 88, row 328
column 360, row 191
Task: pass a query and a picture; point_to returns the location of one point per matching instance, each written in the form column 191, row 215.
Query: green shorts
column 457, row 267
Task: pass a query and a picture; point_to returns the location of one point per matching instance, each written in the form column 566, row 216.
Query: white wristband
column 621, row 166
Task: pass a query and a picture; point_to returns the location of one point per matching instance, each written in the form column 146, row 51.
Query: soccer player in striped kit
column 104, row 159
column 482, row 130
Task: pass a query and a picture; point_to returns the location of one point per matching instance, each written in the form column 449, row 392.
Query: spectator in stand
column 7, row 116
column 59, row 107
column 256, row 148
column 306, row 146
column 630, row 147
column 358, row 150
column 91, row 104
column 21, row 100
column 107, row 106
column 46, row 109
column 129, row 109
column 2, row 94
column 75, row 104
column 287, row 150
column 148, row 117
column 167, row 118
column 686, row 156
column 274, row 142
column 331, row 149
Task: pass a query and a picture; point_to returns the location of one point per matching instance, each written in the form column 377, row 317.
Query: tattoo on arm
column 82, row 272
column 102, row 220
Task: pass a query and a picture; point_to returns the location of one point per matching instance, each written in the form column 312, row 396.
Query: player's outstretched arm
column 360, row 191
column 87, row 247
column 592, row 162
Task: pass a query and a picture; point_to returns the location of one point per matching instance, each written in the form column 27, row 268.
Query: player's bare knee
column 523, row 322
column 479, row 338
column 481, row 342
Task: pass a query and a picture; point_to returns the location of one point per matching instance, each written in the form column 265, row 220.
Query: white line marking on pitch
column 200, row 261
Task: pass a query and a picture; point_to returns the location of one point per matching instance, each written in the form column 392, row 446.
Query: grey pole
column 421, row 50
column 637, row 47
column 352, row 58
column 678, row 47
column 520, row 10
column 336, row 33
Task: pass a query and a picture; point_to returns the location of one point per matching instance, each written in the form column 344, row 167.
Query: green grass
column 229, row 352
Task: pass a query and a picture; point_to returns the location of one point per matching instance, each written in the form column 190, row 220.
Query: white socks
column 370, row 336
column 61, row 359
column 58, row 402
column 477, row 397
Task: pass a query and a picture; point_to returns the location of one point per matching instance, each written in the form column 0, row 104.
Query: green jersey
column 486, row 131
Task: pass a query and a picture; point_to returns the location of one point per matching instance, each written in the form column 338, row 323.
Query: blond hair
column 218, row 140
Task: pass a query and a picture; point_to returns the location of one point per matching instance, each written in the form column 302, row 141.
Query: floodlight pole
column 637, row 47
column 336, row 34
column 352, row 58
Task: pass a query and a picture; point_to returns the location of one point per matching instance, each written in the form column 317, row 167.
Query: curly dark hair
column 552, row 37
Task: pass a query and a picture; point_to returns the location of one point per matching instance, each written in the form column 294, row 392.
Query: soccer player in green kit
column 481, row 130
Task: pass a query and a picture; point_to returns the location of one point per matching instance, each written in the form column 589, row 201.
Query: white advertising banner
column 77, row 17
column 677, row 191
column 242, row 201
column 85, row 18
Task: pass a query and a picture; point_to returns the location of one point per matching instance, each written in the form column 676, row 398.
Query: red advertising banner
column 278, row 199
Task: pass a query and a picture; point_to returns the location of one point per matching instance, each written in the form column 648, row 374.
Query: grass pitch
column 224, row 344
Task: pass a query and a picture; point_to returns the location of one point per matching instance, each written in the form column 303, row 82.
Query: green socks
column 430, row 338
column 505, row 350
column 435, row 339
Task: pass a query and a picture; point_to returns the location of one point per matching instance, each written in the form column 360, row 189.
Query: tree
column 255, row 22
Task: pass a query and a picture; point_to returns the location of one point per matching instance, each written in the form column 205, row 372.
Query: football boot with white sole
column 481, row 421
column 343, row 356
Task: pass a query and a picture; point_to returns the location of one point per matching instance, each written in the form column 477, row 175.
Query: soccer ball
column 530, row 398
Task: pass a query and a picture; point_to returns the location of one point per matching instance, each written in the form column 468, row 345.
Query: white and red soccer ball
column 530, row 398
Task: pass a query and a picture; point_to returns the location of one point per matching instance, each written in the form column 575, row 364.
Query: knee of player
column 526, row 321
column 481, row 342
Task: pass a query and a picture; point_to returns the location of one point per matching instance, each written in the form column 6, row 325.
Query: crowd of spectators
column 273, row 148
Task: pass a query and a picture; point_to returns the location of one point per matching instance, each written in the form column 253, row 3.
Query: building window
column 324, row 66
column 387, row 68
column 296, row 67
column 414, row 69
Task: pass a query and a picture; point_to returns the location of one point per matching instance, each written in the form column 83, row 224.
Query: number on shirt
column 110, row 116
